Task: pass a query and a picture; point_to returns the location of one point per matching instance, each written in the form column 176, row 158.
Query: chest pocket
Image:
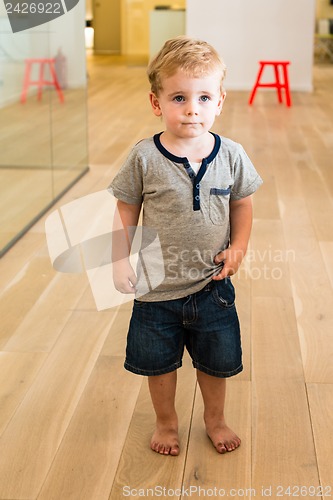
column 219, row 205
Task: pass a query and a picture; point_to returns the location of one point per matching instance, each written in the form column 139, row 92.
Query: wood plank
column 139, row 466
column 283, row 449
column 20, row 296
column 115, row 343
column 44, row 415
column 12, row 263
column 43, row 323
column 313, row 303
column 17, row 373
column 326, row 248
column 276, row 352
column 269, row 260
column 36, row 184
column 88, row 457
column 266, row 206
column 206, row 469
column 318, row 199
column 321, row 408
column 242, row 284
column 316, row 144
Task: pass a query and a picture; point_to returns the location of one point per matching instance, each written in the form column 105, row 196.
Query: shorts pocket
column 224, row 293
column 140, row 303
column 219, row 205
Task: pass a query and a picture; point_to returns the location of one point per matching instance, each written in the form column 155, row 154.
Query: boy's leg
column 163, row 390
column 213, row 391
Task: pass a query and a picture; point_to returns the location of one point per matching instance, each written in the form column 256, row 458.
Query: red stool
column 281, row 80
column 40, row 82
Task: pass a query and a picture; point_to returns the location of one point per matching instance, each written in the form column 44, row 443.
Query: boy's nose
column 192, row 108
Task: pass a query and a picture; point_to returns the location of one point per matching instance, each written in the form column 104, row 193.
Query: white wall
column 246, row 31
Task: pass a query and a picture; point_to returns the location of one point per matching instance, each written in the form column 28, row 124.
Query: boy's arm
column 240, row 230
column 125, row 220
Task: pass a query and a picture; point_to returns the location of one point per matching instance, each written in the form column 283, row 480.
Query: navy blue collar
column 179, row 159
column 194, row 178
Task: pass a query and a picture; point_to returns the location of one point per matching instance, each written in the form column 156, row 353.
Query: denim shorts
column 206, row 323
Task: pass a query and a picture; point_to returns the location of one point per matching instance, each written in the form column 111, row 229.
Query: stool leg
column 287, row 88
column 254, row 90
column 26, row 82
column 40, row 81
column 278, row 83
column 56, row 83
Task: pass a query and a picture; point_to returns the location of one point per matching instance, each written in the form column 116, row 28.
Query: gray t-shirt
column 185, row 215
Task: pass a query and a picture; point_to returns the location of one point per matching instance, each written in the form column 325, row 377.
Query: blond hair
column 195, row 57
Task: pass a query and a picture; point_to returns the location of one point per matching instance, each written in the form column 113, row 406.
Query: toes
column 236, row 443
column 154, row 447
column 165, row 450
column 221, row 448
column 232, row 445
column 174, row 451
column 226, row 446
column 159, row 448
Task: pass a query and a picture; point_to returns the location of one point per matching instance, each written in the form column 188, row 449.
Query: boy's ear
column 221, row 101
column 155, row 104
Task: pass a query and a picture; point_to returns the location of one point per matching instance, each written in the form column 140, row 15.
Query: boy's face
column 188, row 105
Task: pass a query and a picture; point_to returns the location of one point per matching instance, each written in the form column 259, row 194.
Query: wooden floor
column 75, row 425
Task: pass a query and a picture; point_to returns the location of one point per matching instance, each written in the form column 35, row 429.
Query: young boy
column 195, row 188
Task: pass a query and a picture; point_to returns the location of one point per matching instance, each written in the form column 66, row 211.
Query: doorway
column 107, row 26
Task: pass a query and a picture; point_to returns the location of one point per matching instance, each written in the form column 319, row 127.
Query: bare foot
column 223, row 438
column 165, row 439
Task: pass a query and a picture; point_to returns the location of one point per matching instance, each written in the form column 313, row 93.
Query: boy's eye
column 179, row 98
column 204, row 98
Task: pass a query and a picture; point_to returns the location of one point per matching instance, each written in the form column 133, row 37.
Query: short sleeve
column 246, row 178
column 127, row 185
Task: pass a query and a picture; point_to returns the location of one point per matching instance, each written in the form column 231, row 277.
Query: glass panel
column 69, row 119
column 43, row 134
column 25, row 140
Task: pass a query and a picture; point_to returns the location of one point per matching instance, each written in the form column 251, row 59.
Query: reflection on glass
column 43, row 141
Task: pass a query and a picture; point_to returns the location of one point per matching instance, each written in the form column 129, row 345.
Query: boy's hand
column 124, row 277
column 232, row 259
column 240, row 225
